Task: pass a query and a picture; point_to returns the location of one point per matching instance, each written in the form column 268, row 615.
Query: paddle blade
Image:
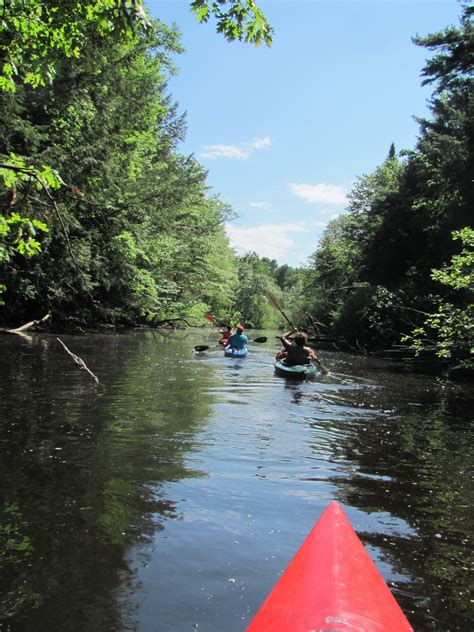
column 200, row 348
column 273, row 300
column 210, row 318
column 323, row 368
column 261, row 339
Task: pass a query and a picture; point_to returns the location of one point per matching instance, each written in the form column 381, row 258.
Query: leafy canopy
column 239, row 20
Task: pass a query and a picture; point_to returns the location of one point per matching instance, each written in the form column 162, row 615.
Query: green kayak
column 297, row 372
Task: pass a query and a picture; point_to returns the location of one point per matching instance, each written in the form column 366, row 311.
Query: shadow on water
column 171, row 496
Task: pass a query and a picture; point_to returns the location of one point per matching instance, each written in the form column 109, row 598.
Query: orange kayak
column 331, row 585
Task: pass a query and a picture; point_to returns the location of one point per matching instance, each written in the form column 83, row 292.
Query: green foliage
column 251, row 307
column 459, row 274
column 36, row 35
column 451, row 66
column 21, row 232
column 132, row 234
column 236, row 19
column 451, row 327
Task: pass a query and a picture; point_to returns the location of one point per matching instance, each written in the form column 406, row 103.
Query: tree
column 371, row 276
column 37, row 35
column 451, row 67
column 341, row 285
column 131, row 233
column 250, row 304
column 451, row 327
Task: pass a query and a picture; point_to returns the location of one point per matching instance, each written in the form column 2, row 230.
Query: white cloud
column 239, row 152
column 260, row 205
column 267, row 240
column 225, row 151
column 319, row 193
column 259, row 143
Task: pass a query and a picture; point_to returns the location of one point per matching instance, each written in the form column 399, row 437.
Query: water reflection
column 77, row 467
column 173, row 495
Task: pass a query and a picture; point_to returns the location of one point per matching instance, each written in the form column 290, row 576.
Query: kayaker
column 297, row 351
column 238, row 340
column 226, row 333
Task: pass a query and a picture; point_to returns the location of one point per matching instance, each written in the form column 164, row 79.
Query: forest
column 105, row 224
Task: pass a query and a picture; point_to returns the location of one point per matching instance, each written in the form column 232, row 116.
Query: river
column 169, row 497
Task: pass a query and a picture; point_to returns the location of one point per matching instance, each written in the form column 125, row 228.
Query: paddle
column 208, row 316
column 273, row 300
column 200, row 348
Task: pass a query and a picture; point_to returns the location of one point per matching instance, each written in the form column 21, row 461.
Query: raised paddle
column 273, row 300
column 200, row 348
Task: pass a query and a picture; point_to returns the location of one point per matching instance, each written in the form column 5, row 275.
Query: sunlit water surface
column 171, row 496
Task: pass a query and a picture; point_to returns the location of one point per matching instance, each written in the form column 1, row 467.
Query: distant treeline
column 104, row 222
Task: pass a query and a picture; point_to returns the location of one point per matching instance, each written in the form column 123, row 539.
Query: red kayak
column 331, row 585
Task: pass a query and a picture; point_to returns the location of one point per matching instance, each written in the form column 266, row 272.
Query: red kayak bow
column 331, row 585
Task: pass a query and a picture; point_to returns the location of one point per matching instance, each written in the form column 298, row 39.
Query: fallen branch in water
column 79, row 361
column 20, row 330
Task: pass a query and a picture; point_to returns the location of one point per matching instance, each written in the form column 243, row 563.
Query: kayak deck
column 297, row 372
column 331, row 585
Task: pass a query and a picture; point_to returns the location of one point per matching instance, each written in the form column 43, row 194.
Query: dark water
column 170, row 497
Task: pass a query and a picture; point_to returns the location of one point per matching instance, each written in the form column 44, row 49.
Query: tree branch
column 20, row 330
column 79, row 361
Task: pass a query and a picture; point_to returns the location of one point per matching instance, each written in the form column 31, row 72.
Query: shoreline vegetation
column 405, row 356
column 105, row 224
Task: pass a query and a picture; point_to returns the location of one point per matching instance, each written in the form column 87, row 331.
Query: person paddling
column 226, row 333
column 297, row 351
column 238, row 340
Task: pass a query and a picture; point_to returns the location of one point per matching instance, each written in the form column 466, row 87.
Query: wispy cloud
column 319, row 193
column 239, row 152
column 263, row 205
column 259, row 143
column 268, row 240
column 225, row 151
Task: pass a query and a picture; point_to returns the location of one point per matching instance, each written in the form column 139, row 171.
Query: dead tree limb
column 23, row 328
column 79, row 361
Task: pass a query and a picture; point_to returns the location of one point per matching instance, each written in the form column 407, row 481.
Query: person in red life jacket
column 226, row 333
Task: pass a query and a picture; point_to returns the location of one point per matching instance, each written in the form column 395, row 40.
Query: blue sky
column 284, row 131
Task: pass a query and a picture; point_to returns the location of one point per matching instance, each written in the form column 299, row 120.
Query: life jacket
column 224, row 338
column 297, row 355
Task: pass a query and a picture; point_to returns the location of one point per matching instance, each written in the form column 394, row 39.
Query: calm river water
column 171, row 496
